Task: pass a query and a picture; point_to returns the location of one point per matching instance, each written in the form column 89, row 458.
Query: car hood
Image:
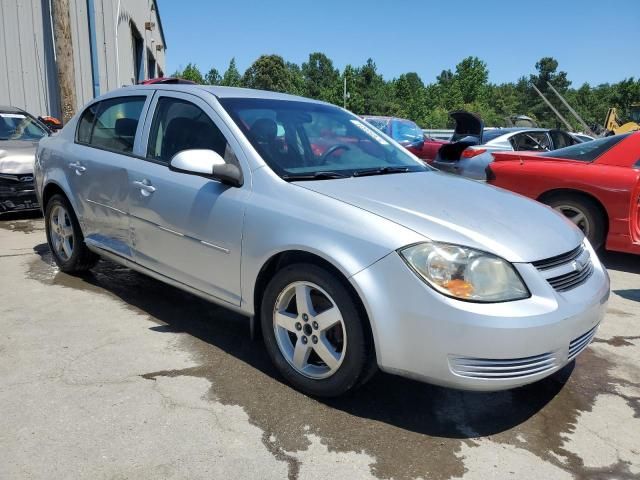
column 451, row 209
column 17, row 156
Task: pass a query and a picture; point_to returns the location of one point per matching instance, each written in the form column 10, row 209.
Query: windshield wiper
column 313, row 176
column 380, row 171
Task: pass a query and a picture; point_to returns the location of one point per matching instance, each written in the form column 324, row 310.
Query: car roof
column 217, row 91
column 8, row 109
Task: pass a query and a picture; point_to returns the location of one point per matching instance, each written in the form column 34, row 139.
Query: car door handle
column 78, row 168
column 145, row 187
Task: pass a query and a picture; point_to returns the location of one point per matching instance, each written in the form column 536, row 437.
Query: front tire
column 65, row 237
column 315, row 332
column 585, row 214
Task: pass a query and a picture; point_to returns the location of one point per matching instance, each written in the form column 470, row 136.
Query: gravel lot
column 115, row 375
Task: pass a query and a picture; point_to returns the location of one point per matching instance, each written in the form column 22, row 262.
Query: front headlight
column 465, row 273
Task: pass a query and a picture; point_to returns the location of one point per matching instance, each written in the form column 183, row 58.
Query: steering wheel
column 325, row 156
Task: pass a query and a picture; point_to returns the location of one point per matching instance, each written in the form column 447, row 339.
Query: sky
column 593, row 41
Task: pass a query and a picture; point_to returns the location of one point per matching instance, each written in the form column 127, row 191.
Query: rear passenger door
column 187, row 227
column 106, row 139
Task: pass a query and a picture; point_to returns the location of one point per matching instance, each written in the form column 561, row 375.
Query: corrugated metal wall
column 27, row 54
column 27, row 58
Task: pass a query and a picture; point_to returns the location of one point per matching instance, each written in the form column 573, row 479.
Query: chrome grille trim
column 558, row 260
column 577, row 345
column 571, row 280
column 496, row 369
column 567, row 271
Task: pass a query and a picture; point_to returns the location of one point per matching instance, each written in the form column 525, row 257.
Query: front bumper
column 17, row 193
column 422, row 334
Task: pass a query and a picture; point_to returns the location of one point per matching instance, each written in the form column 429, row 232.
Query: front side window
column 111, row 124
column 305, row 138
column 18, row 126
column 180, row 125
column 587, row 151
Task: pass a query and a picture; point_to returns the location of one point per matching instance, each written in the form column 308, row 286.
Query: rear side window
column 180, row 125
column 587, row 151
column 530, row 141
column 111, row 124
column 404, row 131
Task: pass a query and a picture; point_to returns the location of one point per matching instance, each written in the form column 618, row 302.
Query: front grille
column 581, row 268
column 571, row 280
column 559, row 260
column 496, row 369
column 579, row 344
column 10, row 183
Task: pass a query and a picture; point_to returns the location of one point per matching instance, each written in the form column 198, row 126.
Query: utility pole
column 64, row 58
column 573, row 112
column 564, row 120
column 344, row 93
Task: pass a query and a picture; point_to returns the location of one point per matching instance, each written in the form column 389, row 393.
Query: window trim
column 143, row 115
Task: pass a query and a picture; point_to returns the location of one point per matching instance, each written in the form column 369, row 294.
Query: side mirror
column 51, row 122
column 208, row 164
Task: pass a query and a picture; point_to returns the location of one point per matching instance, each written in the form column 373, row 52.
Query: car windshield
column 305, row 140
column 587, row 151
column 17, row 126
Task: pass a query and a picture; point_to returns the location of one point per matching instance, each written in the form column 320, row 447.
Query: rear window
column 111, row 124
column 379, row 123
column 588, row 151
column 489, row 135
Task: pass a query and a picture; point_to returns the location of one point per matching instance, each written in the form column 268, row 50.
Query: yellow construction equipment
column 613, row 125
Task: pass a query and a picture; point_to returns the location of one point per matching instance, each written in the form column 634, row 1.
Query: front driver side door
column 187, row 227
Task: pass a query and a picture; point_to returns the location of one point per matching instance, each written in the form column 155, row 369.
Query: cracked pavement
column 115, row 375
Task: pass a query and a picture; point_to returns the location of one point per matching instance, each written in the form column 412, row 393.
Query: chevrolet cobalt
column 347, row 251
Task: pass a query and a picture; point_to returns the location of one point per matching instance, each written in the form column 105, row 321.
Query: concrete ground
column 115, row 375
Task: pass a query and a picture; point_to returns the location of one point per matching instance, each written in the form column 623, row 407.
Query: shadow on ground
column 411, row 429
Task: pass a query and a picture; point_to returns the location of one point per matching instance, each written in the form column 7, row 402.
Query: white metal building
column 115, row 43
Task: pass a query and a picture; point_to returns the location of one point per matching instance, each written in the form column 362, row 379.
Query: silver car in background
column 19, row 137
column 472, row 145
column 346, row 250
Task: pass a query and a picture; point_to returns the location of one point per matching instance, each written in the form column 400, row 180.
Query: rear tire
column 585, row 213
column 65, row 237
column 297, row 340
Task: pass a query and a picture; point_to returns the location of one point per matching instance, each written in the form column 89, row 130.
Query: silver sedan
column 343, row 248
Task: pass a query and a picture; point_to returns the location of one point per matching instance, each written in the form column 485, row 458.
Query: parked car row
column 350, row 253
column 472, row 146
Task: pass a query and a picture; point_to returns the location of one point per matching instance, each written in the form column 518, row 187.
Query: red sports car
column 595, row 184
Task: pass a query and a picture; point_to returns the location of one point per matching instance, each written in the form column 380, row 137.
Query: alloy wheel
column 61, row 233
column 576, row 216
column 309, row 330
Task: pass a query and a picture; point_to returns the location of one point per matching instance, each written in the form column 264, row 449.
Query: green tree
column 213, row 77
column 471, row 78
column 231, row 77
column 296, row 78
column 268, row 72
column 321, row 80
column 410, row 97
column 191, row 72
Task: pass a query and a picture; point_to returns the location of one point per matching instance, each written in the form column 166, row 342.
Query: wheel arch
column 571, row 192
column 284, row 258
